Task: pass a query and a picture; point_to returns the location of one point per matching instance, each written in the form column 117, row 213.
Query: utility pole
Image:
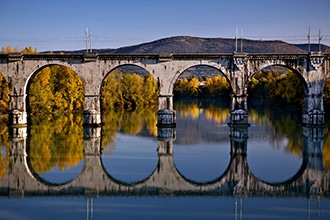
column 309, row 40
column 86, row 40
column 236, row 40
column 90, row 42
column 320, row 38
column 241, row 39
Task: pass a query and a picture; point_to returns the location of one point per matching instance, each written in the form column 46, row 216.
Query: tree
column 9, row 49
column 30, row 50
column 128, row 91
column 150, row 89
column 193, row 87
column 26, row 50
column 56, row 89
column 4, row 95
column 280, row 89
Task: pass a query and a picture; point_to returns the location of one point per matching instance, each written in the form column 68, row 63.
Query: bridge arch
column 123, row 70
column 206, row 182
column 283, row 83
column 294, row 70
column 288, row 181
column 29, row 81
column 136, row 66
column 39, row 66
column 125, row 183
column 45, row 182
column 110, row 68
column 210, row 65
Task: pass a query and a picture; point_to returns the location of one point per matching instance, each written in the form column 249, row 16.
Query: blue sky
column 60, row 24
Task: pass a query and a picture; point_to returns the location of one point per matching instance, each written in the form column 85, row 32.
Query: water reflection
column 201, row 157
column 131, row 159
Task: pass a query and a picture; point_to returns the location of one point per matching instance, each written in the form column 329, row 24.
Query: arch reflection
column 56, row 147
column 237, row 180
column 130, row 159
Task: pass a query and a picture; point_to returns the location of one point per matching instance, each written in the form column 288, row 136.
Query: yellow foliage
column 4, row 95
column 122, row 90
column 9, row 49
column 193, row 86
column 56, row 89
column 219, row 116
column 30, row 50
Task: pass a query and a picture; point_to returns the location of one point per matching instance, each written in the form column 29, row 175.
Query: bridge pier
column 92, row 112
column 314, row 181
column 313, row 109
column 92, row 140
column 239, row 167
column 313, row 112
column 166, row 114
column 17, row 113
column 165, row 165
column 313, row 139
column 238, row 112
column 17, row 117
column 16, row 173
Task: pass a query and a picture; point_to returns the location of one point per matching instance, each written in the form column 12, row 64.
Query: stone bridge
column 239, row 68
column 311, row 180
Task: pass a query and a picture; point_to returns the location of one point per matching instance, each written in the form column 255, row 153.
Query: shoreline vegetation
column 57, row 89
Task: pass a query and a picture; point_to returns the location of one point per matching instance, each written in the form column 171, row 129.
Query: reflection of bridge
column 311, row 180
column 238, row 68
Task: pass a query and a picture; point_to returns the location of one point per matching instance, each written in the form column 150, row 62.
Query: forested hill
column 186, row 44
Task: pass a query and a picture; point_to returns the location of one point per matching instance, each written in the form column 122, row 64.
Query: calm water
column 203, row 152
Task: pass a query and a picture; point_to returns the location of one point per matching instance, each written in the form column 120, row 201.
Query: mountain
column 187, row 44
column 313, row 47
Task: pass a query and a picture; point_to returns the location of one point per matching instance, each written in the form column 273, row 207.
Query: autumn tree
column 30, row 50
column 277, row 88
column 214, row 87
column 122, row 90
column 4, row 95
column 9, row 49
column 26, row 50
column 56, row 89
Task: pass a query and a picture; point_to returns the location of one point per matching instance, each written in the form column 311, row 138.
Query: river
column 201, row 169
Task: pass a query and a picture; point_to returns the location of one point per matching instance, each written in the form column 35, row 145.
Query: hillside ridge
column 188, row 44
